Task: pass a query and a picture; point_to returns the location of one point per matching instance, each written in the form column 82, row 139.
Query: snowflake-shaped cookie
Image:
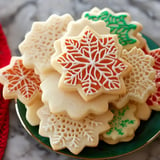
column 123, row 124
column 91, row 64
column 120, row 24
column 64, row 132
column 140, row 82
column 38, row 45
column 154, row 100
column 60, row 101
column 20, row 82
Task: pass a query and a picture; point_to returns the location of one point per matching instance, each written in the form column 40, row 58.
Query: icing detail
column 117, row 24
column 66, row 132
column 92, row 62
column 154, row 99
column 140, row 81
column 119, row 122
column 156, row 55
column 21, row 80
column 38, row 45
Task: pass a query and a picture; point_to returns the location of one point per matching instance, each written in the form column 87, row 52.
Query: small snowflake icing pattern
column 154, row 100
column 38, row 45
column 63, row 132
column 120, row 24
column 92, row 64
column 123, row 124
column 140, row 81
column 20, row 82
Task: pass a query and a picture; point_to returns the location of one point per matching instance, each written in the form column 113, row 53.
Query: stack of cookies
column 85, row 80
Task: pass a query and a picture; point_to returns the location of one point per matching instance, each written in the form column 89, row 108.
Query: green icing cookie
column 123, row 125
column 118, row 123
column 117, row 24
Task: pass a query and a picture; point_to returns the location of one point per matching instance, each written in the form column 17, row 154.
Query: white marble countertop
column 16, row 17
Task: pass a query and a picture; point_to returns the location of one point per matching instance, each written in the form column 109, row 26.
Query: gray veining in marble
column 17, row 16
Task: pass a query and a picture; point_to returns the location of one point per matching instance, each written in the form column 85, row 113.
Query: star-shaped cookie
column 64, row 132
column 91, row 64
column 38, row 45
column 20, row 82
column 123, row 124
column 140, row 83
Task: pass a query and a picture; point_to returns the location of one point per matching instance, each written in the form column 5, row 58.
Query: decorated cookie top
column 61, row 101
column 120, row 24
column 38, row 45
column 91, row 63
column 154, row 99
column 20, row 82
column 140, row 82
column 123, row 124
column 64, row 132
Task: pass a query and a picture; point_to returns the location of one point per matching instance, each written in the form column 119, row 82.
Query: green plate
column 147, row 131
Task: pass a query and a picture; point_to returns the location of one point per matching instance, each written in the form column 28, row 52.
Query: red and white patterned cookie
column 90, row 63
column 154, row 100
column 20, row 82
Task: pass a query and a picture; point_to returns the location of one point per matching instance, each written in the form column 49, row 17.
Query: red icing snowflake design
column 22, row 81
column 92, row 62
column 154, row 99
